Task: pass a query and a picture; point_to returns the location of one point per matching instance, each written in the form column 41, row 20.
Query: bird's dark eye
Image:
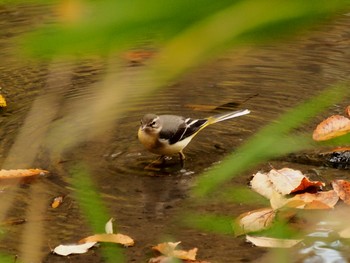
column 153, row 123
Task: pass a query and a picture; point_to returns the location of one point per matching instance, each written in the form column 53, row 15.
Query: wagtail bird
column 169, row 134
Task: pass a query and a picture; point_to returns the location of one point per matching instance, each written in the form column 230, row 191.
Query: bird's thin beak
column 143, row 127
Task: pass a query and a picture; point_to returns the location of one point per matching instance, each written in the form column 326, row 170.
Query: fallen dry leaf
column 253, row 221
column 277, row 200
column 57, row 201
column 331, row 127
column 284, row 181
column 169, row 249
column 342, row 188
column 88, row 242
column 21, row 173
column 262, row 185
column 319, row 200
column 347, row 110
column 112, row 238
column 65, row 250
column 260, row 241
column 2, row 102
column 287, row 181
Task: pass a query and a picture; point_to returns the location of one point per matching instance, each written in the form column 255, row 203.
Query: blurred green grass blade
column 240, row 195
column 271, row 141
column 112, row 25
column 338, row 141
column 4, row 258
column 197, row 28
column 209, row 222
column 93, row 209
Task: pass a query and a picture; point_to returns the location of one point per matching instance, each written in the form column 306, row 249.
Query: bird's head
column 150, row 123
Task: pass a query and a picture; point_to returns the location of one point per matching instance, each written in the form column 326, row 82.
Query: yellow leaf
column 2, row 101
column 9, row 177
column 57, row 201
column 111, row 238
column 319, row 200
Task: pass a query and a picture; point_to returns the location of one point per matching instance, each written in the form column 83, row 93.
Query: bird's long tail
column 226, row 116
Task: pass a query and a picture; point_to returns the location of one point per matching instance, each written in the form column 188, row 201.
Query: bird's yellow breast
column 155, row 145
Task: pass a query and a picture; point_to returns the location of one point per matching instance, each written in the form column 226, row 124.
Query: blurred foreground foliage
column 186, row 32
column 91, row 27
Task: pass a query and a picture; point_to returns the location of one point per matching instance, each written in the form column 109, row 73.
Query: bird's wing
column 178, row 128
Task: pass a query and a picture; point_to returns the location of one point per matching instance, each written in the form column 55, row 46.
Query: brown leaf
column 342, row 188
column 306, row 183
column 111, row 238
column 319, row 200
column 287, row 181
column 25, row 175
column 253, row 221
column 168, row 249
column 284, row 181
column 331, row 127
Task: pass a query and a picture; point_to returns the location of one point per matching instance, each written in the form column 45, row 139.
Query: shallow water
column 147, row 204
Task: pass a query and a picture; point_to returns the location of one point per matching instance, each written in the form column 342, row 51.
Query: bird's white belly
column 174, row 148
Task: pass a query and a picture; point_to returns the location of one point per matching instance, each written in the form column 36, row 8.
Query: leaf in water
column 253, row 221
column 262, row 185
column 2, row 102
column 284, row 181
column 260, row 241
column 111, row 238
column 331, row 127
column 169, row 249
column 342, row 188
column 20, row 175
column 57, row 201
column 277, row 200
column 65, row 250
column 319, row 200
column 347, row 110
column 287, row 181
column 109, row 226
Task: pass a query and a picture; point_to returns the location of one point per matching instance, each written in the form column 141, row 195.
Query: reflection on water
column 267, row 80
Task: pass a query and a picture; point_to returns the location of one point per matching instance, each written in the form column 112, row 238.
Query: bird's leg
column 182, row 159
column 159, row 161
